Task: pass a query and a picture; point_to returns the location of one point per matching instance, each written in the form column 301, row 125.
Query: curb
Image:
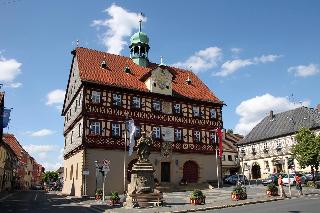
column 229, row 205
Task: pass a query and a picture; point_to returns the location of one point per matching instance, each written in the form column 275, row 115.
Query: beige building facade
column 267, row 148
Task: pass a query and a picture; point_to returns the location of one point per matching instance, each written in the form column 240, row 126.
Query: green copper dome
column 139, row 37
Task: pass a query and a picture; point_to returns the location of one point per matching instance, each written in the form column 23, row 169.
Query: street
column 39, row 201
column 305, row 204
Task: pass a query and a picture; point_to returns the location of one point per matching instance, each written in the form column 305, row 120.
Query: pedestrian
column 298, row 184
column 280, row 184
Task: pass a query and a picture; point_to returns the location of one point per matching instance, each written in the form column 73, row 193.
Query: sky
column 256, row 56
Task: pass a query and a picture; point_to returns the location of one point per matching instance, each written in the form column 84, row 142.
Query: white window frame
column 196, row 111
column 279, row 144
column 116, row 99
column 177, row 108
column 177, row 134
column 115, row 130
column 156, row 105
column 212, row 137
column 156, row 132
column 136, row 102
column 213, row 113
column 95, row 128
column 197, row 136
column 96, row 97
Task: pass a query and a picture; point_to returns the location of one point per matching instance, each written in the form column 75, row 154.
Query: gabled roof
column 282, row 124
column 15, row 146
column 90, row 70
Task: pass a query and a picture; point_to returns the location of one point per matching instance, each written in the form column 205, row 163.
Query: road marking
column 5, row 197
column 35, row 198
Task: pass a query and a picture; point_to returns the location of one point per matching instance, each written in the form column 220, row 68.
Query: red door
column 190, row 171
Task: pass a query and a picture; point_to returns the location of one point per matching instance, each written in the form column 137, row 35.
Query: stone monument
column 141, row 190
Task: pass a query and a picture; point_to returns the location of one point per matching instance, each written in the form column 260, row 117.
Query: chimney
column 271, row 114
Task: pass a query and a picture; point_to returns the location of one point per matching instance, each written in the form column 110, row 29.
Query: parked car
column 286, row 180
column 271, row 179
column 234, row 179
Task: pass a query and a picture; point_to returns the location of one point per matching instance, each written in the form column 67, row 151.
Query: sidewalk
column 215, row 199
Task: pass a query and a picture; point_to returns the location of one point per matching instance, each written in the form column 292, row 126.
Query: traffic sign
column 85, row 172
column 106, row 162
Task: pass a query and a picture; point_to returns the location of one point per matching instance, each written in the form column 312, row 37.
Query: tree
column 307, row 150
column 50, row 176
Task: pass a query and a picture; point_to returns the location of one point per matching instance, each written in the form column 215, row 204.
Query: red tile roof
column 16, row 147
column 89, row 63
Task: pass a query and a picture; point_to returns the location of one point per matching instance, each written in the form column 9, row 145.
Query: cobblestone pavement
column 215, row 198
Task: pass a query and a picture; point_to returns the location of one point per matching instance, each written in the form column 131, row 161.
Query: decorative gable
column 160, row 81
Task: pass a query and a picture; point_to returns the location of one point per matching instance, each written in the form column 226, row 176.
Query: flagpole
column 125, row 154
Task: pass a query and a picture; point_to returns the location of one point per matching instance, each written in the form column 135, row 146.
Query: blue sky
column 253, row 54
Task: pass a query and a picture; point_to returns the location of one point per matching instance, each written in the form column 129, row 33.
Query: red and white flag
column 219, row 133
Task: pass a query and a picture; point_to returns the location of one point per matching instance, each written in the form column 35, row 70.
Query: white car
column 285, row 179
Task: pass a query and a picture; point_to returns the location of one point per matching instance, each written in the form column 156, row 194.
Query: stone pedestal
column 141, row 190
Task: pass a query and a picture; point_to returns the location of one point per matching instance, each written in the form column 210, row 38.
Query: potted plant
column 239, row 193
column 197, row 197
column 114, row 198
column 99, row 194
column 272, row 189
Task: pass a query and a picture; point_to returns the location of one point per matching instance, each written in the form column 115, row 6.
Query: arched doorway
column 129, row 169
column 190, row 171
column 255, row 171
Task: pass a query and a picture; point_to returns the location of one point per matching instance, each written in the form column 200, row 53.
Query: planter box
column 197, row 201
column 241, row 196
column 271, row 193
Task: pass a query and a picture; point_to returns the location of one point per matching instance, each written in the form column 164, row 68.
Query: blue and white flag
column 132, row 130
column 6, row 117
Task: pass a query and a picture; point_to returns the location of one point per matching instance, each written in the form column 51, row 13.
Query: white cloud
column 55, row 97
column 41, row 133
column 202, row 60
column 253, row 110
column 37, row 149
column 51, row 166
column 119, row 26
column 236, row 50
column 13, row 85
column 266, row 58
column 61, row 154
column 230, row 67
column 304, row 71
column 9, row 69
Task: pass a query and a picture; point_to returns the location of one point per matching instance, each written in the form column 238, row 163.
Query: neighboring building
column 60, row 171
column 267, row 148
column 26, row 164
column 1, row 114
column 8, row 166
column 36, row 178
column 230, row 161
column 172, row 103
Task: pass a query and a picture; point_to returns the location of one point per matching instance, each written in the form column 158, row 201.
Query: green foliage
column 114, row 196
column 307, row 150
column 195, row 194
column 238, row 190
column 272, row 187
column 311, row 184
column 99, row 192
column 50, row 176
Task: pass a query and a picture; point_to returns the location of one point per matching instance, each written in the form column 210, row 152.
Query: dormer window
column 196, row 111
column 136, row 102
column 116, row 99
column 95, row 97
column 156, row 105
column 213, row 113
column 177, row 108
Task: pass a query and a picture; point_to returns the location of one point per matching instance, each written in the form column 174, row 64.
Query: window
column 116, row 99
column 156, row 105
column 177, row 108
column 77, row 172
column 71, row 138
column 95, row 97
column 229, row 157
column 95, row 128
column 75, row 108
column 279, row 145
column 223, row 157
column 212, row 137
column 243, row 151
column 79, row 135
column 116, row 130
column 137, row 133
column 213, row 114
column 177, row 135
column 136, row 102
column 196, row 111
column 156, row 132
column 197, row 136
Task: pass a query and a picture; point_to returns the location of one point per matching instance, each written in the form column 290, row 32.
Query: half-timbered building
column 170, row 103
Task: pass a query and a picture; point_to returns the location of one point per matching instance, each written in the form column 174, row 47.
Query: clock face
column 162, row 80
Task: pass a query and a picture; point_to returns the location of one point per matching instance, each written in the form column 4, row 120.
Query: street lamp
column 287, row 158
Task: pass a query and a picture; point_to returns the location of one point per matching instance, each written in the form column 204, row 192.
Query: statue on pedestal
column 143, row 148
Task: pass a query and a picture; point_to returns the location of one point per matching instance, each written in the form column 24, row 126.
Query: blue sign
column 6, row 117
